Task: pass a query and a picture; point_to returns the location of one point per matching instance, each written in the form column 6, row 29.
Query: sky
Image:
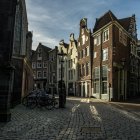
column 54, row 20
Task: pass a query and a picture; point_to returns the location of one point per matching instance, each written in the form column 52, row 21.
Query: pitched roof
column 45, row 48
column 125, row 22
column 108, row 17
column 103, row 20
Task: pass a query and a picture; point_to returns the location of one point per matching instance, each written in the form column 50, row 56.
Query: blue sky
column 54, row 20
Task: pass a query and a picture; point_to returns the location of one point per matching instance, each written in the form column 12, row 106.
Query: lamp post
column 62, row 94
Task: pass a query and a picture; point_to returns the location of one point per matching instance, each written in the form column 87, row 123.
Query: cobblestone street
column 82, row 119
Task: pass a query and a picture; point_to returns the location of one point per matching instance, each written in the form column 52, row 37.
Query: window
column 83, row 52
column 39, row 56
column 106, row 35
column 33, row 65
column 39, row 65
column 83, row 39
column 87, row 68
column 71, row 51
column 86, row 38
column 104, row 79
column 74, row 60
column 95, row 54
column 83, row 70
column 87, row 50
column 44, row 74
column 34, row 74
column 104, row 87
column 71, row 74
column 105, row 54
column 78, row 43
column 104, row 71
column 82, row 30
column 97, row 40
column 96, row 87
column 79, row 70
column 71, row 63
column 79, row 55
column 45, row 64
column 96, row 80
column 96, row 73
column 39, row 74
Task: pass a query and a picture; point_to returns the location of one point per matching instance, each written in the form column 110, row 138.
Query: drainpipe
column 101, row 64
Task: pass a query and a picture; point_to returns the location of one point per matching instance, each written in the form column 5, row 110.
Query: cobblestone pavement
column 82, row 119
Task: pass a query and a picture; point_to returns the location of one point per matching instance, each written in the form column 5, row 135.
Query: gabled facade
column 115, row 58
column 40, row 66
column 71, row 66
column 84, row 48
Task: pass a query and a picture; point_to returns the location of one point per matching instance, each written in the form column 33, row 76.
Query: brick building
column 84, row 49
column 40, row 59
column 115, row 59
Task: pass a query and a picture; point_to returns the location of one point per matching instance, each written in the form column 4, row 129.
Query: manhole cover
column 91, row 129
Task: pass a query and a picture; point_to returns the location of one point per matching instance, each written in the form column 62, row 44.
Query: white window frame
column 87, row 50
column 38, row 74
column 39, row 65
column 45, row 64
column 95, row 54
column 44, row 74
column 105, row 35
column 105, row 54
column 86, row 38
column 98, row 39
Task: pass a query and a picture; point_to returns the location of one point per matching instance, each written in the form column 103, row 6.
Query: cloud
column 53, row 20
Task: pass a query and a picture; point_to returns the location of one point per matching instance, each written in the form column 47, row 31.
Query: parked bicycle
column 40, row 99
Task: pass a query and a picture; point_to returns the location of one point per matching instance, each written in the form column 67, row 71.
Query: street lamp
column 62, row 94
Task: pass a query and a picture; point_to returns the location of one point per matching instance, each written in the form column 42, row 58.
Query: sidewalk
column 132, row 106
